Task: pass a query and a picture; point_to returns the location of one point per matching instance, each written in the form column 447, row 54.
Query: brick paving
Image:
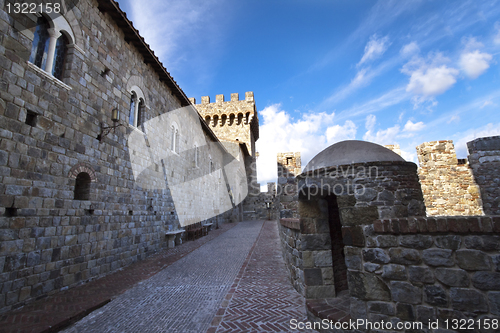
column 54, row 312
column 238, row 283
column 184, row 296
column 262, row 298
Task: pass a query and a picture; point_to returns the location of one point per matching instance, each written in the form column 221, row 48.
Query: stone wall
column 425, row 268
column 484, row 159
column 48, row 136
column 448, row 187
column 289, row 166
column 291, row 246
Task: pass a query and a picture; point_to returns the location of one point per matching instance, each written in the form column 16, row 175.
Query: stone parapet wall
column 448, row 187
column 425, row 268
column 291, row 245
column 484, row 159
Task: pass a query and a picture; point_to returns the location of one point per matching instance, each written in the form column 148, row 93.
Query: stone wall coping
column 290, row 223
column 439, row 224
column 353, row 165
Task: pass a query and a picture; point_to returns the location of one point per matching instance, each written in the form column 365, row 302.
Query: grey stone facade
column 400, row 265
column 49, row 131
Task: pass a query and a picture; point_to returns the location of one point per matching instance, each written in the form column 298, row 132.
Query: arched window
column 140, row 113
column 133, row 102
column 60, row 56
column 174, row 138
column 49, row 48
column 40, row 45
column 82, row 186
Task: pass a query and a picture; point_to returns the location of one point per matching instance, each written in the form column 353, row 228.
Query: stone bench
column 174, row 237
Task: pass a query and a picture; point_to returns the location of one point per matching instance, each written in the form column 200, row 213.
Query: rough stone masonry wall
column 289, row 166
column 425, row 268
column 290, row 245
column 484, row 159
column 448, row 187
column 48, row 240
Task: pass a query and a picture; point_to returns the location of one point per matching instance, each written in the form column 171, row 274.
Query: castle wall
column 484, row 159
column 448, row 187
column 289, row 166
column 48, row 135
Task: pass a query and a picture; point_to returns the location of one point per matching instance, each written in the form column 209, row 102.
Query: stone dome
column 352, row 152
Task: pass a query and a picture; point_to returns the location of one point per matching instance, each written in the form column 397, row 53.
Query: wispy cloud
column 176, row 30
column 409, row 50
column 374, row 48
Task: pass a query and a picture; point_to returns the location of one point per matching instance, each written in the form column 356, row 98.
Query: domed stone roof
column 352, row 152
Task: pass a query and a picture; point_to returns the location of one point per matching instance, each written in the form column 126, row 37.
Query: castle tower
column 289, row 166
column 447, row 182
column 233, row 121
column 236, row 121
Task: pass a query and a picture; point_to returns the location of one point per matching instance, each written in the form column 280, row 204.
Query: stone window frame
column 136, row 116
column 196, row 161
column 58, row 26
column 174, row 138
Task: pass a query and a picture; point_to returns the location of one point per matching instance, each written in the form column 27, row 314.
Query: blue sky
column 390, row 72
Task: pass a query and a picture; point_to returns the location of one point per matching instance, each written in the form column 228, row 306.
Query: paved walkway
column 234, row 283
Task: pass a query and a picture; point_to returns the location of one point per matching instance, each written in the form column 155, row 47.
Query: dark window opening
column 130, row 212
column 82, row 186
column 60, row 56
column 338, row 256
column 40, row 45
column 289, row 160
column 462, row 161
column 31, row 118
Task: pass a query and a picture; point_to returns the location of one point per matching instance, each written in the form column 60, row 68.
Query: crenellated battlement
column 233, row 120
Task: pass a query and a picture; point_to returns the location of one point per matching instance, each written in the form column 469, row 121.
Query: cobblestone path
column 262, row 298
column 184, row 296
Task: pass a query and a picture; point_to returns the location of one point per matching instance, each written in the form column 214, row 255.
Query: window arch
column 49, row 47
column 82, row 186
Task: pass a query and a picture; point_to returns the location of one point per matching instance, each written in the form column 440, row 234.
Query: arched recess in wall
column 84, row 175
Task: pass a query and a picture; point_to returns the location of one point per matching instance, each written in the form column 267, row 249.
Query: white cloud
column 486, row 103
column 308, row 135
column 429, row 78
column 432, row 81
column 382, row 137
column 455, row 118
column 167, row 24
column 338, row 133
column 409, row 50
column 413, row 127
column 475, row 63
column 374, row 48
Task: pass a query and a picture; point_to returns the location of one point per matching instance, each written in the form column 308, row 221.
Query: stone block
column 353, row 236
column 451, row 242
column 436, row 295
column 394, row 272
column 314, row 242
column 419, row 242
column 377, row 256
column 405, row 256
column 367, row 286
column 483, row 243
column 486, row 280
column 381, row 307
column 468, row 300
column 473, row 260
column 425, row 314
column 494, row 302
column 452, row 277
column 313, row 276
column 315, row 292
column 420, row 274
column 405, row 312
column 438, row 257
column 358, row 215
column 322, row 258
column 386, row 241
column 405, row 292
